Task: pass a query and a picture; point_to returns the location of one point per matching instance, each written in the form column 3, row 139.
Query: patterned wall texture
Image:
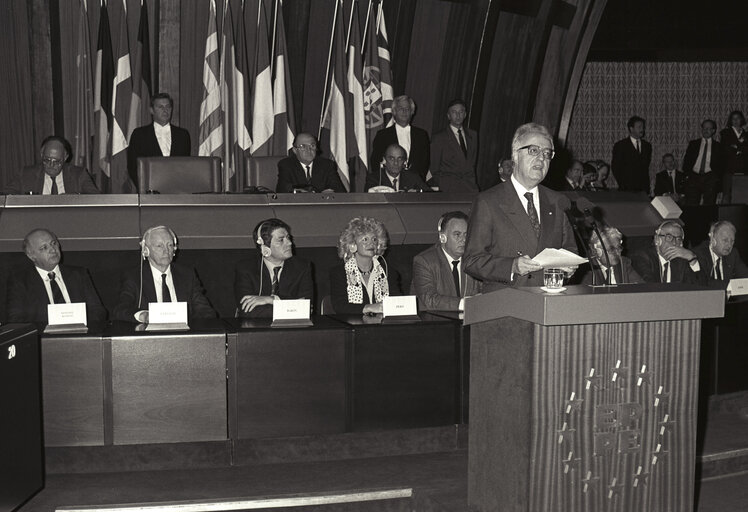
column 674, row 97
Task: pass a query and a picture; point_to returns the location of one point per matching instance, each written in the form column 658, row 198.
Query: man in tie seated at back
column 395, row 176
column 573, row 178
column 439, row 278
column 54, row 175
column 667, row 261
column 271, row 273
column 670, row 181
column 49, row 282
column 616, row 268
column 718, row 258
column 159, row 279
column 513, row 221
column 306, row 170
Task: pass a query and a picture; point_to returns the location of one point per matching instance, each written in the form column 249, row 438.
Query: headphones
column 264, row 249
column 144, row 251
column 442, row 236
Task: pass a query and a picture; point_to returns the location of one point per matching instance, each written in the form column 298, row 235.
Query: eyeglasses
column 537, row 150
column 53, row 162
column 390, row 158
column 306, row 147
column 672, row 238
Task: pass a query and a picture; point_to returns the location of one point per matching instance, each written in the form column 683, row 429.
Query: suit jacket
column 339, row 290
column 433, row 282
column 324, row 175
column 567, row 187
column 624, row 272
column 31, row 180
column 500, row 229
column 631, row 168
column 732, row 266
column 716, row 160
column 27, row 296
column 731, row 146
column 251, row 277
column 408, row 180
column 664, row 185
column 186, row 284
column 450, row 168
column 647, row 265
column 418, row 158
column 143, row 143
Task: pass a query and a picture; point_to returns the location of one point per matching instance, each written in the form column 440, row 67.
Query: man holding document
column 514, row 221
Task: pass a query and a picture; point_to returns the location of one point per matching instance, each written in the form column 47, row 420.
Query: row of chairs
column 201, row 174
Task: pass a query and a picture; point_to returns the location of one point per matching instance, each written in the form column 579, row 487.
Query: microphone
column 588, row 214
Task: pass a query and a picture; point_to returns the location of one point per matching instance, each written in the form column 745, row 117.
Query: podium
column 586, row 400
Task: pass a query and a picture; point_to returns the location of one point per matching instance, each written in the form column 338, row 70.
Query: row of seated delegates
column 590, row 176
column 607, row 263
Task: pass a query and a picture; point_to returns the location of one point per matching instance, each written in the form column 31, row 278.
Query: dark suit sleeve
column 18, row 300
column 186, row 148
column 285, row 176
column 86, row 184
column 133, row 152
column 643, row 264
column 425, row 286
column 333, row 181
column 129, row 293
column 479, row 262
column 689, row 160
column 435, row 156
column 372, row 179
column 661, row 186
column 306, row 285
column 247, row 282
column 379, row 146
column 418, row 183
column 198, row 303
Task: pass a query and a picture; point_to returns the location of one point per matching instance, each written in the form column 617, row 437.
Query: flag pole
column 350, row 24
column 327, row 72
column 366, row 29
column 272, row 46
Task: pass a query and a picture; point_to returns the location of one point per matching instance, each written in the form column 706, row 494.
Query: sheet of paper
column 555, row 258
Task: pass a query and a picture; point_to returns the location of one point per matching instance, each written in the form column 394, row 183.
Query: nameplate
column 167, row 313
column 66, row 314
column 400, row 306
column 292, row 309
column 738, row 287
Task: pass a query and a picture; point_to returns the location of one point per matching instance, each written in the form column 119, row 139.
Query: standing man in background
column 454, row 153
column 631, row 158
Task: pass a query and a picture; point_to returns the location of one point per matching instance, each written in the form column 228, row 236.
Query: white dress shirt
column 156, row 273
column 637, row 143
column 403, row 138
column 60, row 282
column 521, row 193
column 163, row 136
column 47, row 190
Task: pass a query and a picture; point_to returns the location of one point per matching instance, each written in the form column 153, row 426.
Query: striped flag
column 385, row 69
column 357, row 146
column 141, row 75
column 84, row 116
column 211, row 117
column 262, row 91
column 242, row 114
column 121, row 99
column 284, row 131
column 103, row 78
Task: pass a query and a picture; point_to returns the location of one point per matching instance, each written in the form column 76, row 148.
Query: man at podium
column 513, row 221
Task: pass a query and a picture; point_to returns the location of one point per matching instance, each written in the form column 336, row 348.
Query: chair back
column 179, row 174
column 262, row 171
column 325, row 308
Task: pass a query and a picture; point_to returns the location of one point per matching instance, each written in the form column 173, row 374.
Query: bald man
column 54, row 174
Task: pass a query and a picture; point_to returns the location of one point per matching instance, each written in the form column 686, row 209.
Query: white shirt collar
column 44, row 274
column 634, row 141
column 450, row 259
column 402, row 129
column 162, row 129
column 521, row 188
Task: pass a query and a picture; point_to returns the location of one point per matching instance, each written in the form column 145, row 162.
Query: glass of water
column 553, row 278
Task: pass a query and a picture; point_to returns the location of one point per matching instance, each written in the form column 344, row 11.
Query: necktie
column 664, row 272
column 165, row 293
column 54, row 191
column 456, row 276
column 638, row 148
column 702, row 165
column 308, row 174
column 274, row 286
column 672, row 178
column 717, row 271
column 394, row 183
column 462, row 142
column 533, row 214
column 57, row 297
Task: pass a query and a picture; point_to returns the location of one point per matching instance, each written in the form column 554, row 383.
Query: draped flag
column 141, row 75
column 240, row 107
column 121, row 98
column 357, row 146
column 385, row 70
column 103, row 78
column 262, row 91
column 211, row 117
column 284, row 131
column 334, row 118
column 84, row 117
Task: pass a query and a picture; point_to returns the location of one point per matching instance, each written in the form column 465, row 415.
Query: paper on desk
column 555, row 258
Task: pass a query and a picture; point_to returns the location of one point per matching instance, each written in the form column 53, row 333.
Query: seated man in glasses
column 613, row 269
column 513, row 221
column 307, row 171
column 54, row 174
column 667, row 261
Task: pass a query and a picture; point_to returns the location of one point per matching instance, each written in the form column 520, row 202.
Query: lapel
column 67, row 179
column 445, row 270
column 38, row 186
column 547, row 219
column 38, row 291
column 511, row 205
column 156, row 147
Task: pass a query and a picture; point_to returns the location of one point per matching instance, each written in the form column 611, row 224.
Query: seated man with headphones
column 439, row 278
column 159, row 279
column 274, row 273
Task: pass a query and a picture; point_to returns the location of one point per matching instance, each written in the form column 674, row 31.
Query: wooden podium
column 585, row 401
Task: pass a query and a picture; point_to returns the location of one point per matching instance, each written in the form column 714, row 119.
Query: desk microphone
column 588, row 215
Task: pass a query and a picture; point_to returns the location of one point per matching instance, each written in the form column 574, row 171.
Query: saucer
column 553, row 290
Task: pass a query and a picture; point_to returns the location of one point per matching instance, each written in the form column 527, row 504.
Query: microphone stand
column 588, row 214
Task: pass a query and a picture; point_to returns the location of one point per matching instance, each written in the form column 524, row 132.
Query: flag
column 334, row 118
column 84, row 116
column 141, row 75
column 262, row 90
column 211, row 117
column 357, row 146
column 373, row 108
column 240, row 108
column 103, row 78
column 284, row 131
column 121, row 99
column 385, row 69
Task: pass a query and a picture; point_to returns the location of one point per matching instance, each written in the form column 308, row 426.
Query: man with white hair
column 718, row 258
column 616, row 268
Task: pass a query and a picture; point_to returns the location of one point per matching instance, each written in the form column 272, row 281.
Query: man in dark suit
column 54, row 175
column 394, row 176
column 573, row 178
column 159, row 279
column 274, row 273
column 439, row 278
column 506, row 167
column 414, row 140
column 49, row 282
column 454, row 153
column 306, row 170
column 512, row 222
column 703, row 164
column 160, row 138
column 718, row 258
column 599, row 271
column 667, row 261
column 670, row 181
column 631, row 158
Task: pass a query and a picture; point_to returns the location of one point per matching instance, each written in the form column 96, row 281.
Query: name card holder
column 291, row 313
column 738, row 287
column 167, row 316
column 402, row 309
column 66, row 318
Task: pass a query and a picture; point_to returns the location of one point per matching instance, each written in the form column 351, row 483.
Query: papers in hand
column 555, row 258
